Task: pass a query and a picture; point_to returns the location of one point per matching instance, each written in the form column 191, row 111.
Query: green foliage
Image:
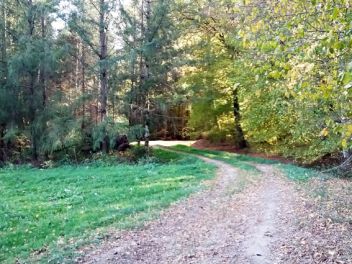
column 110, row 129
column 136, row 132
column 62, row 130
column 139, row 152
column 211, row 88
column 288, row 64
column 294, row 75
column 150, row 60
column 312, row 104
column 42, row 210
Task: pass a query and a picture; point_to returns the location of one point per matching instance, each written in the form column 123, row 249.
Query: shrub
column 140, row 152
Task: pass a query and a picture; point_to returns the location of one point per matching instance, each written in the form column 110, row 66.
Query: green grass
column 40, row 208
column 249, row 173
column 166, row 156
column 246, row 162
column 297, row 173
column 243, row 162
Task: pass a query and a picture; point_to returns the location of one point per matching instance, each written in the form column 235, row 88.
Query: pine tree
column 150, row 43
column 86, row 24
column 30, row 66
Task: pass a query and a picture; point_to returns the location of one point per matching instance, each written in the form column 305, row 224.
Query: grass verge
column 240, row 161
column 249, row 173
column 297, row 173
column 42, row 210
column 247, row 163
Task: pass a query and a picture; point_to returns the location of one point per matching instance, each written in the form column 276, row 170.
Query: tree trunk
column 83, row 70
column 139, row 96
column 103, row 62
column 103, row 67
column 3, row 37
column 42, row 66
column 3, row 74
column 240, row 141
column 31, row 83
column 32, row 118
column 2, row 143
column 146, row 73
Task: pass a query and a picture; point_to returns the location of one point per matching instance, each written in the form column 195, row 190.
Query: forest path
column 238, row 219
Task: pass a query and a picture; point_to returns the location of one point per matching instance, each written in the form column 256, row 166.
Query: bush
column 217, row 135
column 165, row 156
column 140, row 152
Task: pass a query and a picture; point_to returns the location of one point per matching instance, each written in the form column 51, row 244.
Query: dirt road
column 240, row 218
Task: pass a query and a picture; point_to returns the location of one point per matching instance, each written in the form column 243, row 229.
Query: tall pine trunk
column 83, row 87
column 2, row 143
column 42, row 65
column 144, row 67
column 32, row 117
column 3, row 69
column 139, row 96
column 31, row 83
column 3, row 74
column 103, row 67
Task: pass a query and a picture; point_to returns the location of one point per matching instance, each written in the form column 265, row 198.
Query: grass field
column 41, row 210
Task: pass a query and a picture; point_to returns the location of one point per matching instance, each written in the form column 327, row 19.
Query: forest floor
column 244, row 216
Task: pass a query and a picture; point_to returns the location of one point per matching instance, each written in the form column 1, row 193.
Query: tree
column 207, row 19
column 149, row 44
column 275, row 76
column 86, row 24
column 31, row 68
column 3, row 77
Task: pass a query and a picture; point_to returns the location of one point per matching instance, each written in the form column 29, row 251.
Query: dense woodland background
column 76, row 75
